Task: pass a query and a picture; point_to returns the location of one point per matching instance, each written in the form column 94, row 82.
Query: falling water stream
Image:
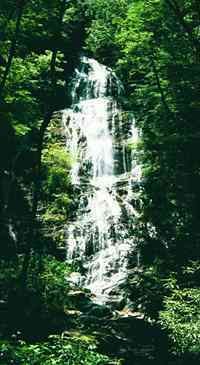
column 104, row 172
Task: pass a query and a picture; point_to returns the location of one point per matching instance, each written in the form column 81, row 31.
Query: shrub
column 181, row 318
column 57, row 351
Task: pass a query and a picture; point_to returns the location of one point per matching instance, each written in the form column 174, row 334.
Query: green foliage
column 147, row 287
column 154, row 47
column 37, row 309
column 57, row 190
column 57, row 351
column 8, row 277
column 57, row 163
column 25, row 99
column 156, row 56
column 152, row 42
column 106, row 17
column 52, row 284
column 47, row 279
column 181, row 319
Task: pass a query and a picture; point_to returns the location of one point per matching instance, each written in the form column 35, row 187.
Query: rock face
column 98, row 135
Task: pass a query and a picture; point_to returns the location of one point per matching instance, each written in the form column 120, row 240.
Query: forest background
column 153, row 46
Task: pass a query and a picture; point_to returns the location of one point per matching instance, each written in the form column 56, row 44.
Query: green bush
column 181, row 318
column 148, row 287
column 38, row 308
column 57, row 351
column 53, row 284
column 57, row 164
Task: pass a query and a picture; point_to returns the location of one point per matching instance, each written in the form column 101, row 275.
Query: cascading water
column 98, row 135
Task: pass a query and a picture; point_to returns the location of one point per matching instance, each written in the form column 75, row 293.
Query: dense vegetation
column 154, row 46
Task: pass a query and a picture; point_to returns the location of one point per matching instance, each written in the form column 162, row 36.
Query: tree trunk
column 48, row 115
column 162, row 95
column 46, row 121
column 21, row 5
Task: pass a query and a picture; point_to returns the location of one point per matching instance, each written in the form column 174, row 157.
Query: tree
column 20, row 9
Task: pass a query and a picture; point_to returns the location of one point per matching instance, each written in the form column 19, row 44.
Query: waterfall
column 98, row 136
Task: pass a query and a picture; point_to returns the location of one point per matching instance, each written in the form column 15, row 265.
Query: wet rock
column 74, row 278
column 100, row 311
column 116, row 303
column 79, row 298
column 72, row 312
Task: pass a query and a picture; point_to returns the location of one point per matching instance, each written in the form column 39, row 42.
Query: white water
column 97, row 136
